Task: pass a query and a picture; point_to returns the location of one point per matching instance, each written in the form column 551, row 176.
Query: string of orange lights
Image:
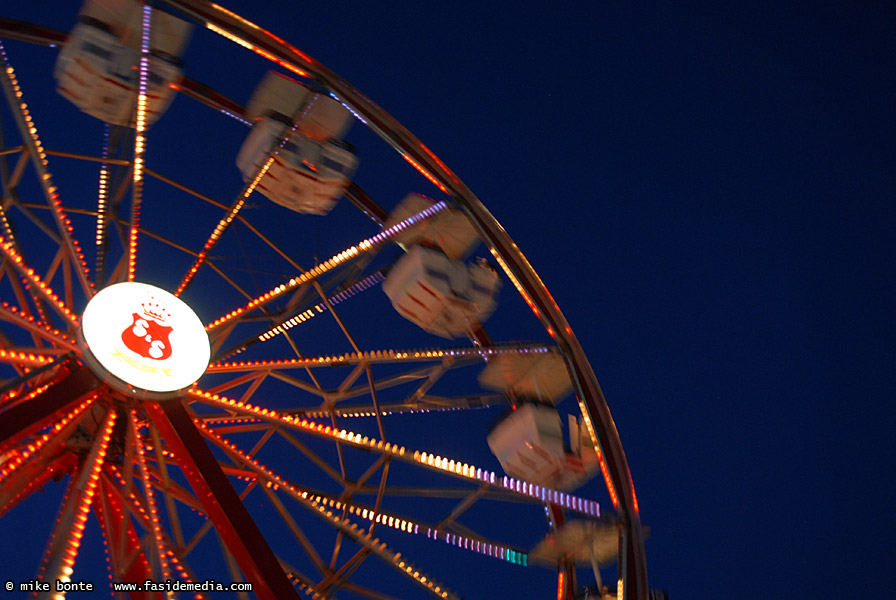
column 139, row 142
column 318, row 505
column 137, row 509
column 35, row 281
column 379, row 356
column 40, row 328
column 61, row 552
column 235, row 208
column 38, row 154
column 354, row 251
column 155, row 523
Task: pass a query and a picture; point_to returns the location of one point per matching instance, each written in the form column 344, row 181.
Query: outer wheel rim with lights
column 64, row 393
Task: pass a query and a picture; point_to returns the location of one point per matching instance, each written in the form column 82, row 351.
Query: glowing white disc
column 145, row 336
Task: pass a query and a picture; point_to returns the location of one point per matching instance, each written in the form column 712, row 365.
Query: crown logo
column 154, row 310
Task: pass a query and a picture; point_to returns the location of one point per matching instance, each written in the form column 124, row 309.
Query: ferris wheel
column 234, row 352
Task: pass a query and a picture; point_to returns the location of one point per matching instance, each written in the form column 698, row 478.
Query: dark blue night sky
column 709, row 192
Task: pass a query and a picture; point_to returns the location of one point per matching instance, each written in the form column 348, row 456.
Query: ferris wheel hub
column 143, row 340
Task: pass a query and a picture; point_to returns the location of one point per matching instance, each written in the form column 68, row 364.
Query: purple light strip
column 348, row 108
column 319, row 308
column 402, row 225
column 237, row 117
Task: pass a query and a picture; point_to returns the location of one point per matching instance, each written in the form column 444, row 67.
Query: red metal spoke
column 19, row 292
column 136, row 503
column 165, row 485
column 36, row 282
column 153, row 512
column 136, row 506
column 221, row 502
column 127, row 559
column 25, row 418
column 62, row 550
column 39, row 329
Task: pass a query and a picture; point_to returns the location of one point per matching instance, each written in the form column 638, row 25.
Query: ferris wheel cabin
column 98, row 68
column 296, row 144
column 443, row 296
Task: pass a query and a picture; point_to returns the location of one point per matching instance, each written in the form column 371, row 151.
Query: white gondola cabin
column 300, row 130
column 98, row 68
column 443, row 296
column 528, row 443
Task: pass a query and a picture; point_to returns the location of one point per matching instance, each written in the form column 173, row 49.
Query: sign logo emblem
column 147, row 335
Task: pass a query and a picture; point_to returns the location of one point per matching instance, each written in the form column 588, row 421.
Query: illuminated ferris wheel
column 232, row 351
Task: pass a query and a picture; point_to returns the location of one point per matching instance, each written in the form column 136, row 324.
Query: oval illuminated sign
column 144, row 336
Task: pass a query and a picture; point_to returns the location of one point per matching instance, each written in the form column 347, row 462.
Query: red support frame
column 122, row 542
column 25, row 418
column 220, row 501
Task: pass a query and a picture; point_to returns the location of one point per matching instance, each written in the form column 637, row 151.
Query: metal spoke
column 296, row 530
column 371, row 544
column 13, row 93
column 126, row 559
